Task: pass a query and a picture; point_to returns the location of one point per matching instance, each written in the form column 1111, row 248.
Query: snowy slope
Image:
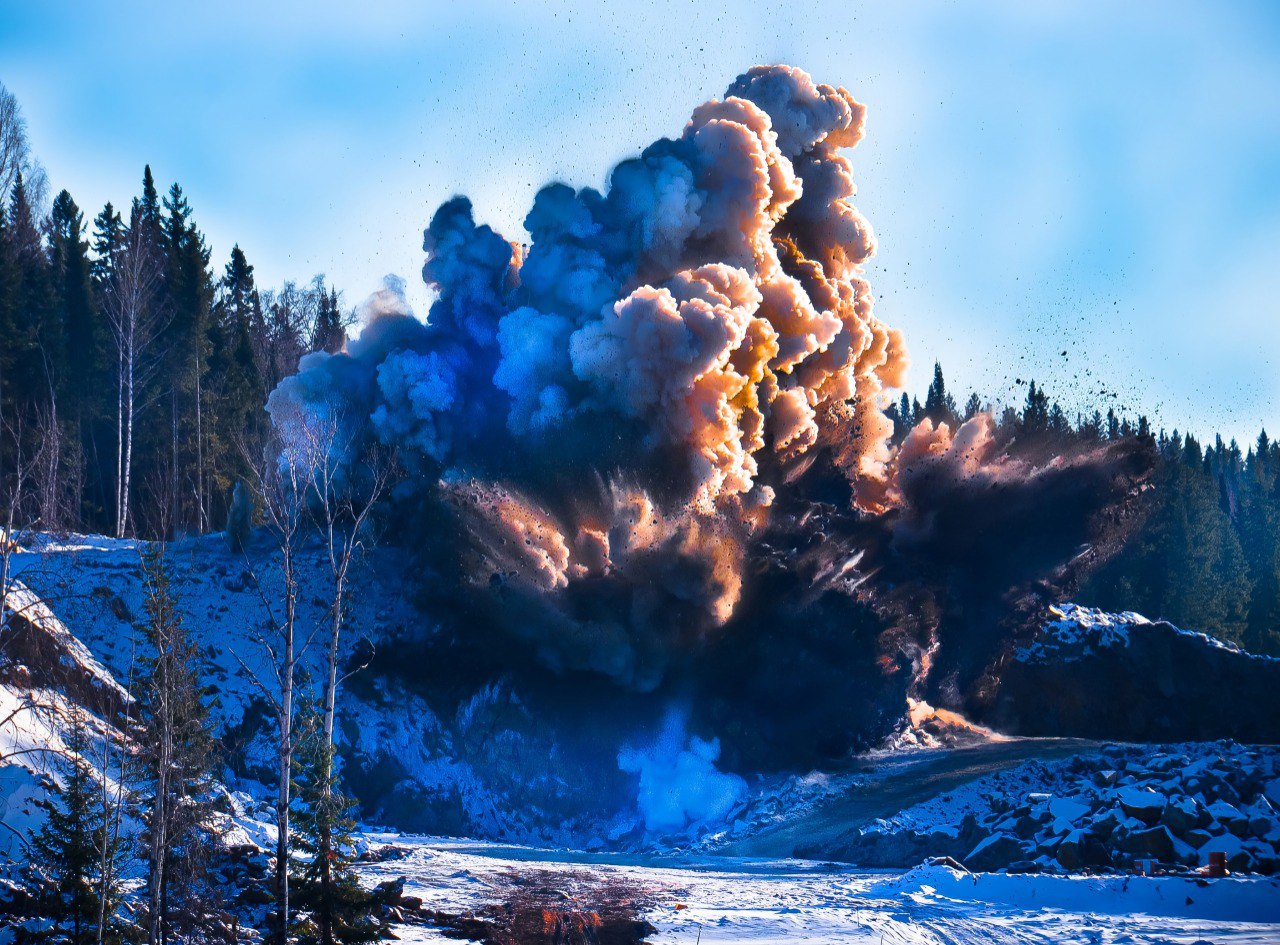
column 87, row 592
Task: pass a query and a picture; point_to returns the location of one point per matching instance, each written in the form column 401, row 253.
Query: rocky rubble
column 1093, row 813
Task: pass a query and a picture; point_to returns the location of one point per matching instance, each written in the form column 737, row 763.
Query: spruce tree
column 179, row 446
column 35, row 332
column 149, row 207
column 177, row 758
column 939, row 406
column 65, row 851
column 9, row 352
column 108, row 240
column 329, row 333
column 86, row 374
column 1184, row 564
column 1035, row 413
column 1259, row 528
column 233, row 388
column 336, row 908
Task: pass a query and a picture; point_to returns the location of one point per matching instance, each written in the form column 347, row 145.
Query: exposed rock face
column 1091, row 675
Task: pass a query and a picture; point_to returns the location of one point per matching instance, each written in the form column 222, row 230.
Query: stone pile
column 1173, row 805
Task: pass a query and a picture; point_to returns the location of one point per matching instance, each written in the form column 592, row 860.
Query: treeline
column 1207, row 556
column 133, row 372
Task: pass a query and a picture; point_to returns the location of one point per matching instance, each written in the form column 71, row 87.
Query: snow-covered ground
column 727, row 900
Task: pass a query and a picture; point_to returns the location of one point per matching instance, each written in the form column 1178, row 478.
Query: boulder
column 1197, row 837
column 1154, row 843
column 996, row 852
column 1105, row 823
column 1239, row 859
column 1146, row 806
column 1230, row 817
column 1272, row 791
column 1025, row 866
column 1180, row 815
column 1070, row 852
column 1067, row 812
column 1025, row 827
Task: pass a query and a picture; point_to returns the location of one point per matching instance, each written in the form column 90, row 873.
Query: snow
column 731, row 900
column 20, row 814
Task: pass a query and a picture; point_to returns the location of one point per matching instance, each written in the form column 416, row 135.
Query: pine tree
column 177, row 756
column 939, row 406
column 85, row 374
column 1035, row 413
column 178, row 448
column 329, row 334
column 233, row 388
column 65, row 850
column 338, row 909
column 108, row 240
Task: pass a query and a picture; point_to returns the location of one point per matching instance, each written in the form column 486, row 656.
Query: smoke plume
column 646, row 453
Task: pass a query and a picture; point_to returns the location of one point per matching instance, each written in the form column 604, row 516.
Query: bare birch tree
column 282, row 483
column 342, row 511
column 341, row 505
column 16, row 157
column 136, row 318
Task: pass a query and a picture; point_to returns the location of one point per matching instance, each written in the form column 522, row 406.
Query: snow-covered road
column 726, row 900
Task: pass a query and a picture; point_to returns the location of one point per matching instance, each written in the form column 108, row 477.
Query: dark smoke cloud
column 648, row 453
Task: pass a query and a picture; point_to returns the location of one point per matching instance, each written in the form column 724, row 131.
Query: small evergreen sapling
column 71, row 849
column 337, row 909
column 177, row 749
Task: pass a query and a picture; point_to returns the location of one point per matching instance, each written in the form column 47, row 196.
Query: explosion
column 651, row 450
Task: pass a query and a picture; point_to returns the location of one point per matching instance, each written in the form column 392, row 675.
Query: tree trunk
column 156, row 879
column 128, row 443
column 201, row 521
column 119, row 443
column 283, row 791
column 326, row 887
column 173, row 478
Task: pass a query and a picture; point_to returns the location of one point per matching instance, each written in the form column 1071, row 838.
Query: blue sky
column 1044, row 177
